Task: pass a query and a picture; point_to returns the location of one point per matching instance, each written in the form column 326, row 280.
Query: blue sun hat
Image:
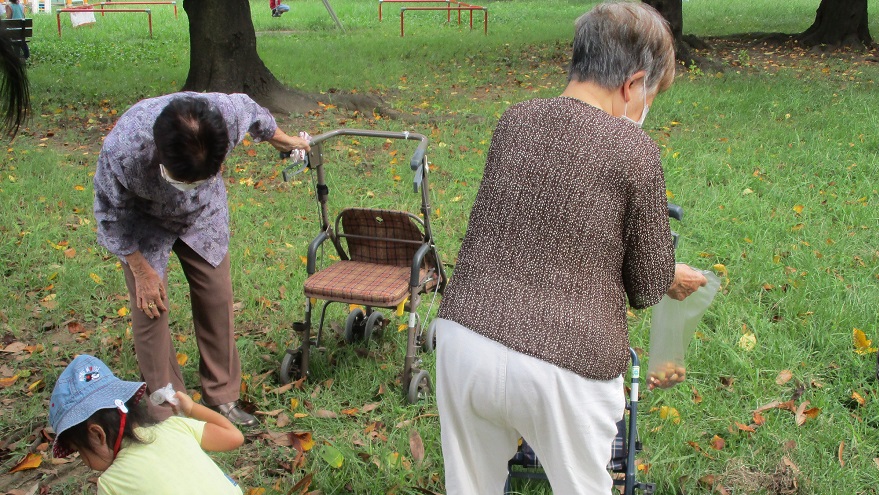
column 86, row 386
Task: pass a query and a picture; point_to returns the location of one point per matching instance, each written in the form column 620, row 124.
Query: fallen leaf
column 668, row 412
column 282, row 421
column 30, row 461
column 256, row 491
column 748, row 341
column 758, row 418
column 332, row 456
column 270, row 414
column 839, row 453
column 802, row 414
column 717, row 443
column 744, row 427
column 15, row 347
column 416, row 446
column 352, row 411
column 301, row 441
column 858, row 398
column 182, row 358
column 784, row 377
column 123, row 311
column 281, row 389
column 323, row 413
column 369, row 407
column 862, row 344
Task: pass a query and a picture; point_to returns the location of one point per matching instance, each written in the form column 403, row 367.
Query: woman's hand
column 686, row 282
column 149, row 289
column 285, row 143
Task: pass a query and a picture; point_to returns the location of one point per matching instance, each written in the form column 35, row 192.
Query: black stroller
column 626, row 445
column 387, row 259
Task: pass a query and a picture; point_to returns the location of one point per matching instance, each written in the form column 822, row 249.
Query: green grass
column 776, row 170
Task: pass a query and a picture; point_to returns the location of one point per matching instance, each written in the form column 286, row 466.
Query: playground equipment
column 111, row 3
column 450, row 5
column 89, row 8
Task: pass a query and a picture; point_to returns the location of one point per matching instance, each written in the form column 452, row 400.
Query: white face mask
column 640, row 121
column 179, row 185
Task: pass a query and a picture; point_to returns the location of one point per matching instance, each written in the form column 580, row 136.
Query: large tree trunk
column 222, row 53
column 839, row 22
column 672, row 11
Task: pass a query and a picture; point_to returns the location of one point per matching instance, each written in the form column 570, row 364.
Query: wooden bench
column 20, row 32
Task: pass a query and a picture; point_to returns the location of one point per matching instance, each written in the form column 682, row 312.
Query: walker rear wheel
column 419, row 386
column 374, row 324
column 354, row 325
column 430, row 339
column 291, row 366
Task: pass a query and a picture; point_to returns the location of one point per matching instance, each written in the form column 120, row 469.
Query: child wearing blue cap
column 101, row 417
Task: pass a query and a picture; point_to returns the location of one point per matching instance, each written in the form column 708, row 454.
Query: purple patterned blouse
column 138, row 210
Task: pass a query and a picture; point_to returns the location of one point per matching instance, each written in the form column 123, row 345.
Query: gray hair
column 617, row 39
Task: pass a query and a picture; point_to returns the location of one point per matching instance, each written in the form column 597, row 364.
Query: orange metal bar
column 80, row 9
column 152, row 2
column 461, row 6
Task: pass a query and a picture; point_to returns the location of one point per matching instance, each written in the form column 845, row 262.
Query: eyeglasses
column 180, row 185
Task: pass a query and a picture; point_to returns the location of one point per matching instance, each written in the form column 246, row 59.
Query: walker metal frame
column 425, row 275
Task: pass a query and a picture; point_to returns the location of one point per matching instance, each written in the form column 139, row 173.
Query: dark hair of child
column 76, row 437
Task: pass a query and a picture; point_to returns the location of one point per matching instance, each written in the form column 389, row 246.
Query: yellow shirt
column 170, row 461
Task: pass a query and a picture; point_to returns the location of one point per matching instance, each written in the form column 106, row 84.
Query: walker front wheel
column 419, row 386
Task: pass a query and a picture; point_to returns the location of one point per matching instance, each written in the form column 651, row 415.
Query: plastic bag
column 671, row 329
column 164, row 394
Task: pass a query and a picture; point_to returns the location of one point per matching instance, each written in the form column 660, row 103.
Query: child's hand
column 186, row 403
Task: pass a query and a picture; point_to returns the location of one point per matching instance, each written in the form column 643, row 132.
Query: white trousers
column 489, row 395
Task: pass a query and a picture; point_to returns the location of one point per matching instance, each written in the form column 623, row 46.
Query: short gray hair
column 617, row 39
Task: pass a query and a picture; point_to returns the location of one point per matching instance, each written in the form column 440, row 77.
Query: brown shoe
column 233, row 412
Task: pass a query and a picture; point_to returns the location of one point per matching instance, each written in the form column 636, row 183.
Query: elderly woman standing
column 159, row 189
column 570, row 220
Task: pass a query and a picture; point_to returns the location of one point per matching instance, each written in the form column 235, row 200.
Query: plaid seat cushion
column 357, row 282
column 619, row 453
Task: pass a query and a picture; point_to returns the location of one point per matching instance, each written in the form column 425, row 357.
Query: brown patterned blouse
column 569, row 220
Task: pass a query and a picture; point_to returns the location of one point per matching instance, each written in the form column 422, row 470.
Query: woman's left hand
column 686, row 282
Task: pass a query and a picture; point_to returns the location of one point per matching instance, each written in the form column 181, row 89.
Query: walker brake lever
column 286, row 173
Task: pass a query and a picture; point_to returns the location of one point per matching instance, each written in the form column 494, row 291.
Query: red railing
column 110, row 2
column 450, row 5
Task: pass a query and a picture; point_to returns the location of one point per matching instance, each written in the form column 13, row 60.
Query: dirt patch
column 774, row 52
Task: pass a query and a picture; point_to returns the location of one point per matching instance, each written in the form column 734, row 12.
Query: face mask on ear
column 640, row 121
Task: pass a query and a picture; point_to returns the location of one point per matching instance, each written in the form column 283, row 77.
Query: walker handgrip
column 418, row 157
column 676, row 212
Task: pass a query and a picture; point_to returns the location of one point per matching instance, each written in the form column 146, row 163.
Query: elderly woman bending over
column 570, row 223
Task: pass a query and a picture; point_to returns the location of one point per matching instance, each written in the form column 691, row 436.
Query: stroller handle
column 417, row 157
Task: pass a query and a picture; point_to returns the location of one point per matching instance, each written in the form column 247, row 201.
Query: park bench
column 19, row 31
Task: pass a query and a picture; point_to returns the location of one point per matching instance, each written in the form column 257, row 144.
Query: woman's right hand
column 686, row 282
column 149, row 289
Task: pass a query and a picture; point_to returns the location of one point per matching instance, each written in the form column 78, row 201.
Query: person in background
column 102, row 417
column 278, row 8
column 15, row 10
column 158, row 190
column 570, row 222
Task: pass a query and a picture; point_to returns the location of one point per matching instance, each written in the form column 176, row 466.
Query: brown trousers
column 210, row 291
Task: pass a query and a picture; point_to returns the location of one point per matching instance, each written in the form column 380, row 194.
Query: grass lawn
column 774, row 161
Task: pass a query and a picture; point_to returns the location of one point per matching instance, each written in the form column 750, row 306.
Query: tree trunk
column 672, row 11
column 222, row 53
column 839, row 22
column 223, row 58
